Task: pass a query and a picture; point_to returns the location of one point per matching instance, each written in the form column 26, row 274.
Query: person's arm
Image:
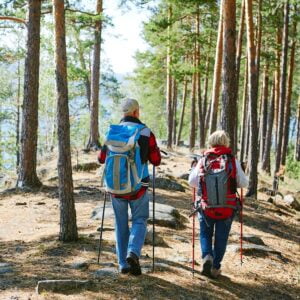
column 154, row 152
column 241, row 178
column 102, row 155
column 194, row 175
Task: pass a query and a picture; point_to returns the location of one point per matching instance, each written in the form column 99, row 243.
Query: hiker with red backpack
column 216, row 175
column 128, row 148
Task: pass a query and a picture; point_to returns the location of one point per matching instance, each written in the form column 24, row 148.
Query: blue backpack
column 124, row 170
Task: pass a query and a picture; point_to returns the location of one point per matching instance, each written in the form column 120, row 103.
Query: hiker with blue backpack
column 128, row 148
column 216, row 176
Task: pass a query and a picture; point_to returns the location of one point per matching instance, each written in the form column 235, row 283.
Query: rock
column 106, row 264
column 40, row 203
column 181, row 259
column 106, row 272
column 158, row 240
column 6, row 268
column 252, row 249
column 62, row 285
column 168, row 183
column 90, row 166
column 108, row 213
column 165, row 215
column 184, row 176
column 21, row 203
column 292, row 201
column 270, row 200
column 180, row 238
column 253, row 239
column 157, row 267
column 79, row 265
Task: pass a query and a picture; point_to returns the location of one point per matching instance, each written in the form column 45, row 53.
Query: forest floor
column 29, row 226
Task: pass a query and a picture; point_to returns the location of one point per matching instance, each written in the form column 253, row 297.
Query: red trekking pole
column 241, row 221
column 193, row 235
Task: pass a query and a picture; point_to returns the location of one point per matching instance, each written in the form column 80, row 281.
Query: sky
column 124, row 39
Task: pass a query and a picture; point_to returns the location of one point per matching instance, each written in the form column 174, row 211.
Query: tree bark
column 277, row 83
column 184, row 97
column 229, row 70
column 245, row 114
column 198, row 82
column 18, row 119
column 264, row 111
column 193, row 110
column 252, row 90
column 265, row 164
column 284, row 56
column 297, row 145
column 29, row 136
column 287, row 110
column 68, row 227
column 94, row 107
column 175, row 92
column 217, row 75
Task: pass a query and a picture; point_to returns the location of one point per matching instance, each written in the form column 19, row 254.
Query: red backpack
column 217, row 187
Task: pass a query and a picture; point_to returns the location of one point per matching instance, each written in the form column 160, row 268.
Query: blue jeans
column 130, row 240
column 220, row 230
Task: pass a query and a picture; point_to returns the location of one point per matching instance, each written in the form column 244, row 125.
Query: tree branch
column 82, row 12
column 14, row 19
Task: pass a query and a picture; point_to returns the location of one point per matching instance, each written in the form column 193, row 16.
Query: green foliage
column 292, row 166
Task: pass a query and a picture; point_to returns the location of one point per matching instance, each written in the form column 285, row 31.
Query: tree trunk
column 94, row 107
column 29, row 136
column 184, row 96
column 284, row 57
column 228, row 77
column 238, row 63
column 193, row 111
column 68, row 227
column 287, row 111
column 265, row 164
column 198, row 82
column 264, row 111
column 245, row 114
column 217, row 75
column 252, row 90
column 175, row 92
column 297, row 146
column 169, row 86
column 87, row 80
column 18, row 119
column 205, row 106
column 277, row 83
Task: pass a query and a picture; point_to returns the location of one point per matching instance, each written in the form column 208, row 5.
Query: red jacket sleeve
column 154, row 152
column 102, row 155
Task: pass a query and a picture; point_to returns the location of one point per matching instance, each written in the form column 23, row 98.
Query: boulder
column 165, row 215
column 184, row 176
column 292, row 202
column 253, row 239
column 158, row 240
column 61, row 286
column 6, row 268
column 106, row 272
column 252, row 249
column 89, row 166
column 167, row 183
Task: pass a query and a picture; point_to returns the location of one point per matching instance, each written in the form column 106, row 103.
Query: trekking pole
column 101, row 229
column 193, row 235
column 241, row 221
column 153, row 216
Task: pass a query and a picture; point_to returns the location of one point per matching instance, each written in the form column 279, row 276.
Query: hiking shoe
column 207, row 265
column 133, row 261
column 215, row 273
column 124, row 270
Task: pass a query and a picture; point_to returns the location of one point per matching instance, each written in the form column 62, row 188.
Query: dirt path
column 29, row 225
